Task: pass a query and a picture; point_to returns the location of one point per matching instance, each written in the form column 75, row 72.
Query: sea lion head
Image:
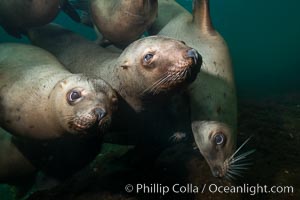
column 123, row 22
column 158, row 64
column 82, row 104
column 216, row 142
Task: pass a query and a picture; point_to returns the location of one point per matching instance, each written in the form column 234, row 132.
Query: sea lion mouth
column 95, row 119
column 83, row 123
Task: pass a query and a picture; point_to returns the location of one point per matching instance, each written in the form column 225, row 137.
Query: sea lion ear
column 63, row 83
column 125, row 66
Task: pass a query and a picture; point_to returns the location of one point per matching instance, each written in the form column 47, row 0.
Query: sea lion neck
column 124, row 88
column 201, row 16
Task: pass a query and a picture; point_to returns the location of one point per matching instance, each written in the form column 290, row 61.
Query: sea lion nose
column 100, row 112
column 192, row 53
column 216, row 172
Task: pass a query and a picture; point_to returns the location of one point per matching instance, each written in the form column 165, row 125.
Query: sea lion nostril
column 101, row 113
column 192, row 53
column 216, row 172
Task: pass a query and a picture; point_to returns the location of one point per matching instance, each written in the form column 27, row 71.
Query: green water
column 263, row 37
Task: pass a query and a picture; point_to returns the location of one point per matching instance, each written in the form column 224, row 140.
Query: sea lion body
column 145, row 73
column 122, row 22
column 35, row 92
column 212, row 95
column 55, row 119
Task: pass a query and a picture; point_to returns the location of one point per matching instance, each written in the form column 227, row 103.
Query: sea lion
column 40, row 99
column 17, row 15
column 120, row 21
column 145, row 74
column 56, row 119
column 212, row 95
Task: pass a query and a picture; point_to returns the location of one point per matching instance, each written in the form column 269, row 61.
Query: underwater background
column 264, row 41
column 263, row 37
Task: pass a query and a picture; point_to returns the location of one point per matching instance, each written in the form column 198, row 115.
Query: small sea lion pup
column 145, row 74
column 17, row 15
column 212, row 95
column 40, row 99
column 119, row 21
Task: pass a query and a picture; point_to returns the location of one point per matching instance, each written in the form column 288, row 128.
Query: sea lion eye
column 148, row 57
column 219, row 138
column 73, row 95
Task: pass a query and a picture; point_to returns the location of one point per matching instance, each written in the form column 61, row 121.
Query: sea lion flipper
column 70, row 10
column 201, row 15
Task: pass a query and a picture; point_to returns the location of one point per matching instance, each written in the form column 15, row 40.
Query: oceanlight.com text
column 157, row 188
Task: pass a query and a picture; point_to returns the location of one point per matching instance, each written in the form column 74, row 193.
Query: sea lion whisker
column 232, row 156
column 236, row 160
column 155, row 86
column 230, row 175
column 179, row 75
column 240, row 168
column 242, row 156
column 166, row 79
column 246, row 159
column 182, row 73
column 234, row 173
column 186, row 72
column 240, row 165
column 163, row 76
column 157, row 83
column 245, row 153
column 236, row 170
column 246, row 163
